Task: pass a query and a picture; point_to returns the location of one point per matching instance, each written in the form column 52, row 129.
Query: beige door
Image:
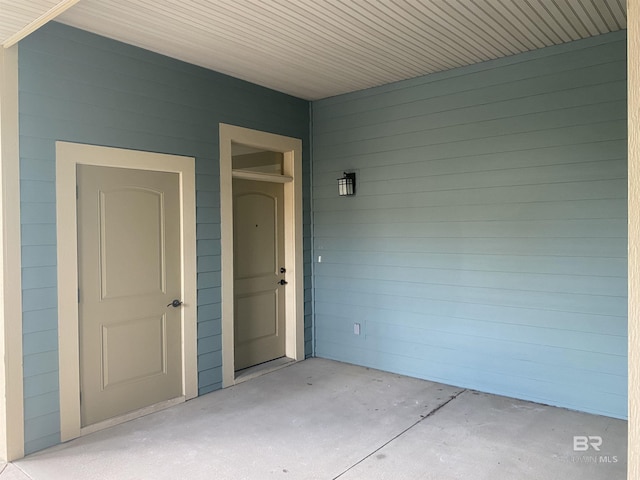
column 258, row 231
column 129, row 271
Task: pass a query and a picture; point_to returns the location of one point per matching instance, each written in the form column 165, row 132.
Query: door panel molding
column 68, row 156
column 294, row 303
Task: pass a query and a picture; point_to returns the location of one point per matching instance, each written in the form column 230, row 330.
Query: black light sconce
column 347, row 184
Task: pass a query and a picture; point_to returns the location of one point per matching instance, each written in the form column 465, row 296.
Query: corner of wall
column 11, row 381
column 633, row 118
column 312, row 223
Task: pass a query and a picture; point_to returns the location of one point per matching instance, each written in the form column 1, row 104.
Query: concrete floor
column 320, row 419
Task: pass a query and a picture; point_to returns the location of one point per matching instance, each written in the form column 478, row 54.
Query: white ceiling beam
column 49, row 15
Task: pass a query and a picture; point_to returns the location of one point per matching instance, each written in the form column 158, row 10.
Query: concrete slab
column 11, row 472
column 311, row 420
column 483, row 436
column 320, row 419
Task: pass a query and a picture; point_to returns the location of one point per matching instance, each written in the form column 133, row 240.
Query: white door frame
column 68, row 156
column 292, row 179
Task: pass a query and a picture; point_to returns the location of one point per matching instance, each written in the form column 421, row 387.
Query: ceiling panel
column 319, row 48
column 18, row 18
column 14, row 16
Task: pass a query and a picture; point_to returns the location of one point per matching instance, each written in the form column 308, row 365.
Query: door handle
column 175, row 304
column 282, row 282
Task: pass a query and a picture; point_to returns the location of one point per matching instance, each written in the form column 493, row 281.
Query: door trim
column 68, row 156
column 294, row 304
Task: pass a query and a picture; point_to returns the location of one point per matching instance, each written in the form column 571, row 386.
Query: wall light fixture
column 347, row 184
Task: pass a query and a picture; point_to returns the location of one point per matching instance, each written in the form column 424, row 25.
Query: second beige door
column 129, row 272
column 259, row 272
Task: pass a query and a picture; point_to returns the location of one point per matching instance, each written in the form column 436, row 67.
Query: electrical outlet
column 356, row 329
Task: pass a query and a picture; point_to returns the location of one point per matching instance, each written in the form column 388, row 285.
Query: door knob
column 283, row 282
column 175, row 304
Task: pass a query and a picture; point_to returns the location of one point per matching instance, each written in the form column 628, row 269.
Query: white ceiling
column 319, row 48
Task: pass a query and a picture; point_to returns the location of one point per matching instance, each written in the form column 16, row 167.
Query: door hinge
column 78, row 295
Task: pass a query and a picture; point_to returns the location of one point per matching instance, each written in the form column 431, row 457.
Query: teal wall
column 79, row 87
column 486, row 246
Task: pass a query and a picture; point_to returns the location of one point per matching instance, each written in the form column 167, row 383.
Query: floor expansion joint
column 430, row 414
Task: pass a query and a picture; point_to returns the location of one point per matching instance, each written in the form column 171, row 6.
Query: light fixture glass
column 347, row 184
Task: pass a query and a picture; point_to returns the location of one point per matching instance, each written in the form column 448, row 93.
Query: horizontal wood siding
column 486, row 246
column 79, row 87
